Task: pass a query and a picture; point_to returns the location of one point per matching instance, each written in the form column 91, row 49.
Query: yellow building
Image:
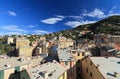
column 101, row 68
column 25, row 51
column 50, row 70
column 21, row 42
column 10, row 40
column 78, row 54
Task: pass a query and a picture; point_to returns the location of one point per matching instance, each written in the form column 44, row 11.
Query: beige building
column 25, row 51
column 10, row 40
column 42, row 38
column 69, row 42
column 41, row 50
column 101, row 68
column 12, row 65
column 22, row 42
column 64, row 42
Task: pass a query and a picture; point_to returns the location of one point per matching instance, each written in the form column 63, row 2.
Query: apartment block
column 21, row 42
column 101, row 68
column 25, row 51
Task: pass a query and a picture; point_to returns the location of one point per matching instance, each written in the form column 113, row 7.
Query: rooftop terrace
column 47, row 71
column 108, row 66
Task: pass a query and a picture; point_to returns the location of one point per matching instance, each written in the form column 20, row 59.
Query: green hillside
column 110, row 25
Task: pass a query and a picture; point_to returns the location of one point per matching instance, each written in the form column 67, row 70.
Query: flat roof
column 15, row 61
column 108, row 66
column 54, row 70
column 65, row 55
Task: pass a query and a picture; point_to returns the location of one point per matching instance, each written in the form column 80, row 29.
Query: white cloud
column 111, row 12
column 10, row 33
column 76, row 23
column 12, row 28
column 31, row 26
column 75, row 17
column 53, row 20
column 96, row 13
column 40, row 32
column 11, row 13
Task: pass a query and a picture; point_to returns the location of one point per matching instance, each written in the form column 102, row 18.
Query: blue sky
column 46, row 16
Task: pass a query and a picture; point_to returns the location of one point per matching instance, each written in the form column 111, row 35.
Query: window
column 78, row 61
column 86, row 60
column 90, row 74
column 78, row 54
column 66, row 62
column 87, row 69
column 90, row 63
column 83, row 54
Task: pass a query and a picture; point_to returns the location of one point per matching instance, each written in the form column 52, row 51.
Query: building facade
column 25, row 51
column 10, row 40
column 21, row 42
column 68, row 61
column 100, row 68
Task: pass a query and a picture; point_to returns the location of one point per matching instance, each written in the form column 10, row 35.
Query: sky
column 47, row 16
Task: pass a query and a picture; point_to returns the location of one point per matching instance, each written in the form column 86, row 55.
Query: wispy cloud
column 40, row 32
column 76, row 23
column 10, row 33
column 111, row 12
column 114, row 7
column 96, row 13
column 31, row 26
column 12, row 28
column 53, row 20
column 11, row 13
column 75, row 17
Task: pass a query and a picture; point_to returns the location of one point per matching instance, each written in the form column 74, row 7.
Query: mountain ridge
column 109, row 25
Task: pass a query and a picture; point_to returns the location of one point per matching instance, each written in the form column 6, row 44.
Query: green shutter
column 2, row 74
column 17, row 68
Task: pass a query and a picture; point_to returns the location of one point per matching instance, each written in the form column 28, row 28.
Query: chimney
column 116, row 74
column 98, row 66
column 7, row 65
column 45, row 74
